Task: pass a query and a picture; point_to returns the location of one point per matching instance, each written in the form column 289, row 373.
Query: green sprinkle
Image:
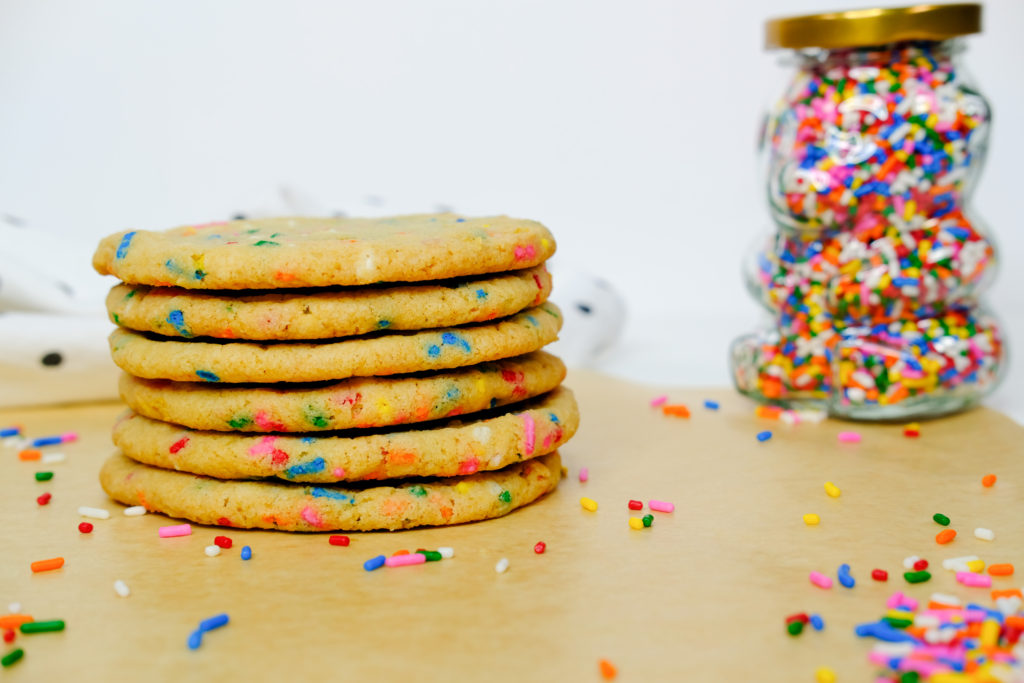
column 941, row 519
column 417, row 491
column 898, row 623
column 44, row 476
column 239, row 421
column 42, row 626
column 505, row 497
column 910, row 677
column 917, row 577
column 648, row 520
column 12, row 657
column 431, row 555
column 795, row 628
column 117, row 318
column 266, row 243
column 316, row 418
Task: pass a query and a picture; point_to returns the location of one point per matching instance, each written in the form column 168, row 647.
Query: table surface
column 704, row 591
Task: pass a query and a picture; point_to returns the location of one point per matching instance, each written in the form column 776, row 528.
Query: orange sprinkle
column 935, row 604
column 14, row 620
column 988, row 480
column 608, row 670
column 769, row 412
column 1000, row 569
column 33, row 454
column 399, row 552
column 48, row 565
column 1008, row 593
column 1014, row 622
column 677, row 410
column 945, row 536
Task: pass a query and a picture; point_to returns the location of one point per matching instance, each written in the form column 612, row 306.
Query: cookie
column 353, row 403
column 380, row 354
column 447, row 448
column 272, row 253
column 325, row 313
column 293, row 507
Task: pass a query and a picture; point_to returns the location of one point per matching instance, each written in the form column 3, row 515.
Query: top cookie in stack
column 351, row 330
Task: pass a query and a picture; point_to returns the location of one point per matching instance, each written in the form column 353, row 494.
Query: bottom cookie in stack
column 293, row 507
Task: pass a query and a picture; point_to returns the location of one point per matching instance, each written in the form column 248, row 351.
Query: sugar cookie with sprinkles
column 327, row 312
column 491, row 441
column 353, row 403
column 274, row 253
column 386, row 354
column 294, row 507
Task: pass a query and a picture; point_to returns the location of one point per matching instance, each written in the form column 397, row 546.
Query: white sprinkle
column 984, row 534
column 945, row 599
column 93, row 513
column 908, row 562
column 121, row 588
column 134, row 511
column 959, row 564
column 18, row 442
column 446, row 552
column 50, row 458
column 212, row 550
column 1009, row 605
column 502, row 565
column 14, row 608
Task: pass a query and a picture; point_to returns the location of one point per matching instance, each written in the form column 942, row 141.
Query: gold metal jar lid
column 858, row 27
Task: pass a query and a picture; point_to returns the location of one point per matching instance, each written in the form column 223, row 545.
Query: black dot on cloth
column 66, row 288
column 239, row 217
column 584, row 308
column 52, row 359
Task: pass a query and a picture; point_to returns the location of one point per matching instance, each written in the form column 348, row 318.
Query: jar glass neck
column 876, row 55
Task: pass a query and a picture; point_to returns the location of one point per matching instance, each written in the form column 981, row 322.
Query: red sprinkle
column 222, row 541
column 338, row 540
column 44, row 499
column 920, row 564
column 85, row 528
column 635, row 505
column 9, row 635
column 801, row 617
column 879, row 575
column 540, row 547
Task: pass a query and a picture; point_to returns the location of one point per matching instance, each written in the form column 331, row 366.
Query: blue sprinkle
column 844, row 576
column 173, row 267
column 177, row 320
column 533, row 321
column 207, row 376
column 383, row 324
column 46, row 441
column 817, row 623
column 246, row 552
column 711, row 405
column 883, row 631
column 481, row 294
column 195, row 639
column 553, row 418
column 449, row 338
column 10, row 431
column 764, row 436
column 460, row 220
column 311, row 467
column 213, row 623
column 308, row 439
column 122, row 249
column 374, row 563
column 328, row 493
column 452, row 394
column 434, row 351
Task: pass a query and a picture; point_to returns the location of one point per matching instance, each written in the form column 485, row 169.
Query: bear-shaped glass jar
column 874, row 269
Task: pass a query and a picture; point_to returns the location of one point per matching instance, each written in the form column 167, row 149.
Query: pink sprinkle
column 659, row 401
column 584, row 474
column 661, row 506
column 529, row 434
column 895, row 600
column 525, row 251
column 405, row 560
column 68, row 437
column 974, row 580
column 338, row 472
column 820, row 580
column 849, row 437
column 312, row 516
column 175, row 530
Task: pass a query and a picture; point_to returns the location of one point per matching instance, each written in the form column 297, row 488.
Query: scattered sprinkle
column 988, row 480
column 974, row 580
column 339, row 540
column 174, row 530
column 121, row 588
column 945, row 536
column 608, row 670
column 539, row 547
column 222, row 542
column 820, row 580
column 635, row 505
column 912, row 430
column 824, row 675
column 44, row 499
column 976, row 566
column 1004, row 569
column 832, row 490
column 93, row 513
column 47, row 565
column 53, row 440
column 920, row 564
column 135, row 511
column 588, row 504
column 374, row 563
column 659, row 401
column 849, row 437
column 817, row 623
column 648, row 520
column 711, row 405
column 845, row 579
column 677, row 410
column 12, row 657
column 212, row 550
column 879, row 575
column 636, row 523
column 246, row 552
column 85, row 528
column 811, row 519
column 405, row 560
column 584, row 474
column 984, row 534
column 30, row 454
column 908, row 562
column 502, row 565
column 446, row 552
column 195, row 639
column 917, row 577
column 958, row 564
column 661, row 506
column 941, row 519
column 764, row 436
column 42, row 626
column 794, row 628
column 51, row 458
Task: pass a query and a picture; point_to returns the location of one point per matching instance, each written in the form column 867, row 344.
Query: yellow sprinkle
column 591, row 504
column 634, row 522
column 989, row 633
column 831, row 489
column 825, row 675
column 462, row 487
column 810, row 519
column 976, row 566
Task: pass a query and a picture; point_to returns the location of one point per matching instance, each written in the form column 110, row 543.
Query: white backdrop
column 627, row 127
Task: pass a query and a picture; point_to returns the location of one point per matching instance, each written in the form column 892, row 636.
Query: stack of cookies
column 336, row 374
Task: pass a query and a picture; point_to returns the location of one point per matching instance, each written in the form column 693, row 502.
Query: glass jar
column 873, row 272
